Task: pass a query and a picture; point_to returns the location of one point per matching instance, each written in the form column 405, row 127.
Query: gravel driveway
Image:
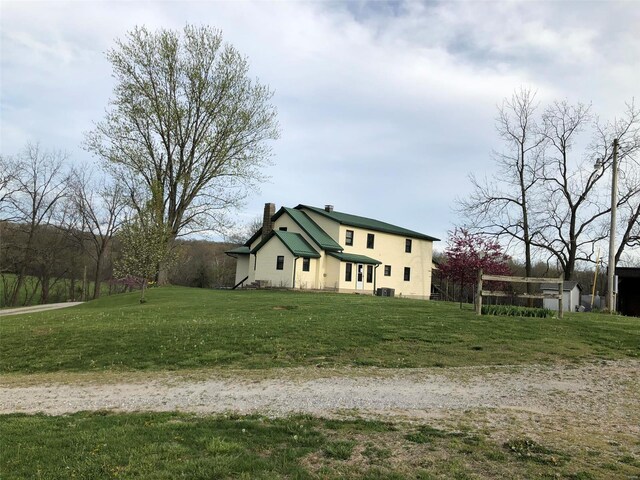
column 607, row 390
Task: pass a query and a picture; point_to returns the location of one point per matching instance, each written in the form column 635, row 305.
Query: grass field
column 261, row 331
column 182, row 328
column 171, row 445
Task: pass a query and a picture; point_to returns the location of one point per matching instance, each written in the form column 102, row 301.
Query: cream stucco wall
column 390, row 250
column 242, row 268
column 329, row 226
column 265, row 263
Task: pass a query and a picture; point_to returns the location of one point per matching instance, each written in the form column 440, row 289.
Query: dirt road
column 36, row 308
column 606, row 391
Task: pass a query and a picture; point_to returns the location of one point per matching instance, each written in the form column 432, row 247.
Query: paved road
column 37, row 308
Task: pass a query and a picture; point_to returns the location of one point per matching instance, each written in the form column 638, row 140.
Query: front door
column 359, row 276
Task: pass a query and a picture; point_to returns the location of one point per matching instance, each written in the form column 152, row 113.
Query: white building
column 321, row 249
column 571, row 292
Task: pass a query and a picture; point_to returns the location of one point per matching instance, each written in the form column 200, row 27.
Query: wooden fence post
column 560, row 295
column 479, row 294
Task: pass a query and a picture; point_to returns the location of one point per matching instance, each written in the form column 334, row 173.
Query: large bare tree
column 187, row 128
column 39, row 184
column 502, row 208
column 97, row 205
column 576, row 207
column 547, row 197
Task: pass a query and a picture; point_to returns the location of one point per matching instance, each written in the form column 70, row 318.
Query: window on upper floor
column 348, row 271
column 407, row 245
column 280, row 262
column 407, row 274
column 283, row 229
column 306, row 264
column 348, row 239
column 387, row 270
column 370, row 240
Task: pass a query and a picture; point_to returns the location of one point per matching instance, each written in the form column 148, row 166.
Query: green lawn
column 183, row 328
column 172, row 445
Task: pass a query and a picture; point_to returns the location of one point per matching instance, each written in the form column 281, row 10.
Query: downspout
column 375, row 277
column 293, row 285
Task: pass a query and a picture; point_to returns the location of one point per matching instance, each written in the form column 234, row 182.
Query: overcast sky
column 385, row 107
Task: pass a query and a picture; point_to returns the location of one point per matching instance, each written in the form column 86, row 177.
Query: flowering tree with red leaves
column 466, row 253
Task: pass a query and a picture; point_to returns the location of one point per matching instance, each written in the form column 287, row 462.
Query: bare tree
column 502, row 207
column 240, row 235
column 39, row 184
column 8, row 171
column 573, row 219
column 627, row 131
column 547, row 198
column 99, row 203
column 187, row 128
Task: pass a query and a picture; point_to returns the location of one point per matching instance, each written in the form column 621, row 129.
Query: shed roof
column 567, row 286
column 368, row 223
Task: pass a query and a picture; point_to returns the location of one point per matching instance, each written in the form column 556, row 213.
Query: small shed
column 628, row 291
column 571, row 292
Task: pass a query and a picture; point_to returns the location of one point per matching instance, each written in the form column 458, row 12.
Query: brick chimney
column 267, row 222
column 328, row 208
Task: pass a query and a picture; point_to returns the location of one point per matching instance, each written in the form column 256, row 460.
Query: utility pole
column 611, row 299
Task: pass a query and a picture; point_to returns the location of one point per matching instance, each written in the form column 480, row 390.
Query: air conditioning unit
column 385, row 292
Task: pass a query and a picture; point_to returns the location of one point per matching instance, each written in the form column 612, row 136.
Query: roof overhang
column 353, row 258
column 242, row 250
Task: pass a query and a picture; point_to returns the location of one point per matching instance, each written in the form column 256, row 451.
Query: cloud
column 385, row 106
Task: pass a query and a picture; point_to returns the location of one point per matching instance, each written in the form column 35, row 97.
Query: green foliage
column 187, row 126
column 186, row 328
column 144, row 248
column 514, row 311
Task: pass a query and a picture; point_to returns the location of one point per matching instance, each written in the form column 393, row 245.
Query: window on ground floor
column 306, row 264
column 407, row 274
column 280, row 262
column 387, row 270
column 369, row 273
column 348, row 271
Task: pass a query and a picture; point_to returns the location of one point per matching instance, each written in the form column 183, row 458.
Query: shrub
column 513, row 311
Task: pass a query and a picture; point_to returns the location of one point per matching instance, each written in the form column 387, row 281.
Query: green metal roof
column 311, row 228
column 294, row 242
column 353, row 258
column 368, row 223
column 243, row 250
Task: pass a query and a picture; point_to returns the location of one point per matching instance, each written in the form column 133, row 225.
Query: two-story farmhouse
column 314, row 248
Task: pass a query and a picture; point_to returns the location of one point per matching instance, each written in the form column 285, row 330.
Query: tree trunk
column 44, row 298
column 162, row 278
column 96, row 278
column 17, row 287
